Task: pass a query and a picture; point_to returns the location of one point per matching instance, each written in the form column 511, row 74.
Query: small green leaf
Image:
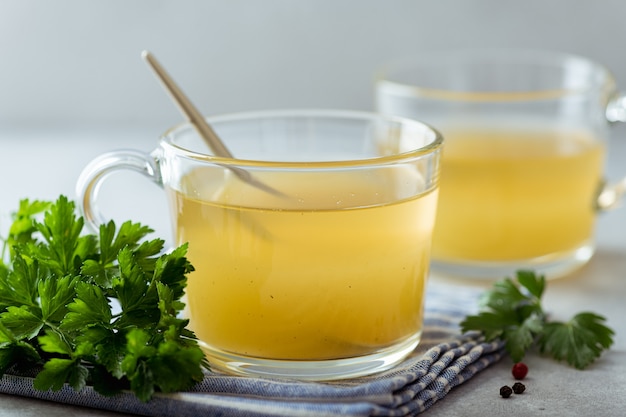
column 134, row 363
column 23, row 225
column 99, row 273
column 518, row 340
column 142, row 382
column 21, row 322
column 19, row 286
column 89, row 308
column 535, row 284
column 579, row 342
column 132, row 287
column 145, row 254
column 109, row 347
column 110, row 357
column 129, row 235
column 54, row 375
column 138, row 344
column 107, row 235
column 172, row 268
column 6, row 335
column 55, row 295
column 491, row 324
column 61, row 230
column 52, row 342
column 169, row 305
column 175, row 367
column 57, row 372
column 504, row 297
column 78, row 377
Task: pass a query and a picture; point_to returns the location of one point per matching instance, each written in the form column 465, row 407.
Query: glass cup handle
column 611, row 193
column 616, row 109
column 93, row 175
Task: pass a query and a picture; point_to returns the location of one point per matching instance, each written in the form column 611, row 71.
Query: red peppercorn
column 519, row 370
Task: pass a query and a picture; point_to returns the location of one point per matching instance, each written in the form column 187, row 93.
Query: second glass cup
column 321, row 272
column 522, row 168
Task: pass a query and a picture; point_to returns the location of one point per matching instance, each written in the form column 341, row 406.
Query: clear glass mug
column 522, row 168
column 324, row 276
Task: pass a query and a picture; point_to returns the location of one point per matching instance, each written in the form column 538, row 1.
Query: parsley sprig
column 512, row 312
column 93, row 309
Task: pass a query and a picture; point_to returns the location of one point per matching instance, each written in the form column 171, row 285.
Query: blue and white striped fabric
column 443, row 360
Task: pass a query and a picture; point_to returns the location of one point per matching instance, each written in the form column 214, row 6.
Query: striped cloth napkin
column 443, row 360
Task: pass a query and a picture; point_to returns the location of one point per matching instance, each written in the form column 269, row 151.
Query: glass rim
column 167, row 139
column 384, row 78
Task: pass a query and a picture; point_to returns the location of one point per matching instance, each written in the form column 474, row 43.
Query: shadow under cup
column 523, row 161
column 324, row 278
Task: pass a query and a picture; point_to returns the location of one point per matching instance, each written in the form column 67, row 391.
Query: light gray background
column 72, row 85
column 71, row 74
column 77, row 62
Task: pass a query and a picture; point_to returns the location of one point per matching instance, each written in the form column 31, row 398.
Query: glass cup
column 522, row 169
column 320, row 273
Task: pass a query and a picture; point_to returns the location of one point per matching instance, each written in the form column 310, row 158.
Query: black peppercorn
column 518, row 388
column 506, row 391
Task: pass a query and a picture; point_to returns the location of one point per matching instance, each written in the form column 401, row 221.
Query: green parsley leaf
column 578, row 342
column 61, row 230
column 21, row 322
column 512, row 312
column 103, row 269
column 533, row 283
column 19, row 286
column 519, row 338
column 129, row 234
column 55, row 295
column 90, row 307
column 23, row 225
column 53, row 342
column 99, row 308
column 57, row 371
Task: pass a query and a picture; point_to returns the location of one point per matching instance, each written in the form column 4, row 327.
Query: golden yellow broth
column 306, row 281
column 516, row 195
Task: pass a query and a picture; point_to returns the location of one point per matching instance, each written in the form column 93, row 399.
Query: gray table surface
column 41, row 164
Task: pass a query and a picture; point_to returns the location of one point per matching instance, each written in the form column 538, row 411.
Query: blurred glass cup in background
column 522, row 168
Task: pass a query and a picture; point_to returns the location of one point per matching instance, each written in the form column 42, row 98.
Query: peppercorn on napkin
column 443, row 360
